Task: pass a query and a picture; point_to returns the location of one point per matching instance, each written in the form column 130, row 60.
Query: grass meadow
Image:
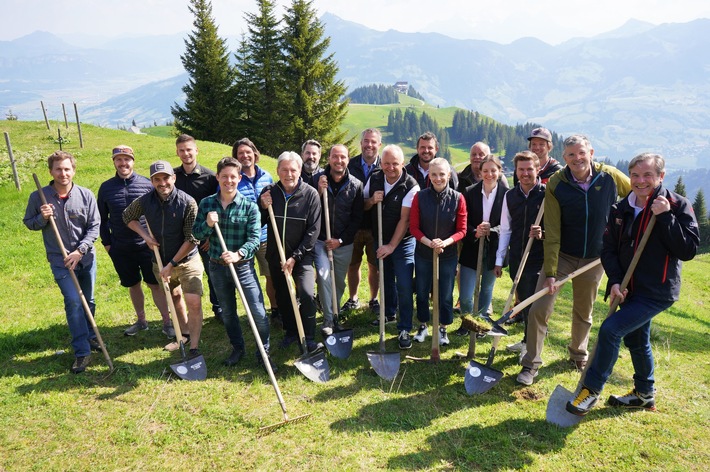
column 141, row 418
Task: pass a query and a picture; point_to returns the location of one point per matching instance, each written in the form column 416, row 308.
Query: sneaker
column 192, row 353
column 405, row 342
column 514, row 320
column 388, row 320
column 80, row 364
column 312, row 346
column 443, row 337
column 422, row 333
column 174, row 346
column 374, row 305
column 517, row 347
column 527, row 376
column 234, row 357
column 136, row 327
column 169, row 331
column 633, row 400
column 582, row 402
column 350, row 305
column 462, row 331
column 327, row 328
column 260, row 362
column 276, row 320
column 94, row 345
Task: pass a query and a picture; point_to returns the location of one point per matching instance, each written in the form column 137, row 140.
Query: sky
column 502, row 21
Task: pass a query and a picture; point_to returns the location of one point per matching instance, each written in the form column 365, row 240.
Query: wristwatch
column 83, row 249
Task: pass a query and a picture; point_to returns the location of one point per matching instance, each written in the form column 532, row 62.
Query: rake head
column 264, row 430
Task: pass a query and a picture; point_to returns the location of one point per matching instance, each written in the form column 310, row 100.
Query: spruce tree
column 680, row 187
column 207, row 113
column 700, row 209
column 317, row 105
column 262, row 79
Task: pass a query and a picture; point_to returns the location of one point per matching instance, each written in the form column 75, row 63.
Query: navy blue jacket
column 114, row 196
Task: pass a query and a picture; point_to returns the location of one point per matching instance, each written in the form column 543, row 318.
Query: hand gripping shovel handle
column 289, row 281
column 85, row 304
column 169, row 297
column 254, row 329
column 524, row 259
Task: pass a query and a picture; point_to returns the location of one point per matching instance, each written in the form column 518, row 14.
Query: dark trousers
column 304, row 278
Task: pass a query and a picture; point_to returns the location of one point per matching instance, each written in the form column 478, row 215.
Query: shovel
column 85, row 304
column 340, row 343
column 435, row 335
column 498, row 329
column 556, row 412
column 385, row 364
column 313, row 365
column 264, row 357
column 187, row 369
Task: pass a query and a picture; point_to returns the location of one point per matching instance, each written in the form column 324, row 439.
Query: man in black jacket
column 130, row 255
column 418, row 167
column 298, row 214
column 654, row 287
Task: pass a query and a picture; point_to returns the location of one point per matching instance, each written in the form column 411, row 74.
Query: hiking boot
column 526, row 376
column 633, row 400
column 579, row 365
column 234, row 357
column 388, row 320
column 374, row 305
column 174, row 346
column 405, row 342
column 136, row 327
column 80, row 364
column 443, row 337
column 192, row 353
column 94, row 344
column 517, row 347
column 327, row 328
column 582, row 402
column 422, row 333
column 169, row 331
column 276, row 320
column 350, row 305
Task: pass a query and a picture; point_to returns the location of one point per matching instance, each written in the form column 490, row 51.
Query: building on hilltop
column 401, row 87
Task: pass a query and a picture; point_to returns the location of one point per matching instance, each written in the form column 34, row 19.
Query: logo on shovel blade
column 181, row 369
column 196, row 366
column 474, row 371
column 488, row 379
column 331, row 340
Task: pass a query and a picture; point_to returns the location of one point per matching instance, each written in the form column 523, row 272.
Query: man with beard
column 540, row 142
column 471, row 174
column 129, row 253
column 418, row 167
column 170, row 214
column 310, row 153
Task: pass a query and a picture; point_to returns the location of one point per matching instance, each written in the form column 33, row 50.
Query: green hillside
column 139, row 418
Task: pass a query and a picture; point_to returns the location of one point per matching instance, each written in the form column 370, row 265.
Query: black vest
column 523, row 211
column 392, row 203
column 437, row 218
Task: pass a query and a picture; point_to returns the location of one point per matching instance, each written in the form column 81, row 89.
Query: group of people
column 408, row 215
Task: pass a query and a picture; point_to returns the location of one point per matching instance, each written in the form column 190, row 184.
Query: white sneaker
column 517, row 347
column 443, row 337
column 422, row 333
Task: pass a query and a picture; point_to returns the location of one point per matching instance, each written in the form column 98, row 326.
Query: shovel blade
column 314, row 366
column 191, row 369
column 385, row 364
column 340, row 344
column 479, row 379
column 556, row 408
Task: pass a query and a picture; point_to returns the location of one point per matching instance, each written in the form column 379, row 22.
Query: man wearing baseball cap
column 130, row 256
column 540, row 142
column 170, row 214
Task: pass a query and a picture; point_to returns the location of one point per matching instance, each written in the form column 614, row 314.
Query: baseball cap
column 161, row 167
column 542, row 133
column 123, row 150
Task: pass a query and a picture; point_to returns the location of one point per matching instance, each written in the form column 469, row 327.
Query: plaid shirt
column 240, row 224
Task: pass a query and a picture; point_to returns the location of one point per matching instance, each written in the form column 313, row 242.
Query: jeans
column 214, row 299
column 632, row 322
column 399, row 285
column 467, row 286
column 224, row 288
column 79, row 326
column 447, row 275
column 341, row 262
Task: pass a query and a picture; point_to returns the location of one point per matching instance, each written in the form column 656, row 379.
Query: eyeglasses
column 122, row 150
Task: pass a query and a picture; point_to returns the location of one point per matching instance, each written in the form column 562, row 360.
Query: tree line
column 407, row 126
column 280, row 89
column 380, row 94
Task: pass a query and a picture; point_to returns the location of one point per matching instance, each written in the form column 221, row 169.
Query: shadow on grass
column 508, row 445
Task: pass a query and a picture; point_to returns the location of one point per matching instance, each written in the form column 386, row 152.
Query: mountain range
column 641, row 87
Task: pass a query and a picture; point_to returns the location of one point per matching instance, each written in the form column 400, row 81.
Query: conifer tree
column 680, row 187
column 317, row 105
column 700, row 209
column 207, row 113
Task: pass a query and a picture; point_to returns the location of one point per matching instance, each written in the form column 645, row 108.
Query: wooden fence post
column 44, row 112
column 78, row 126
column 66, row 123
column 12, row 160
